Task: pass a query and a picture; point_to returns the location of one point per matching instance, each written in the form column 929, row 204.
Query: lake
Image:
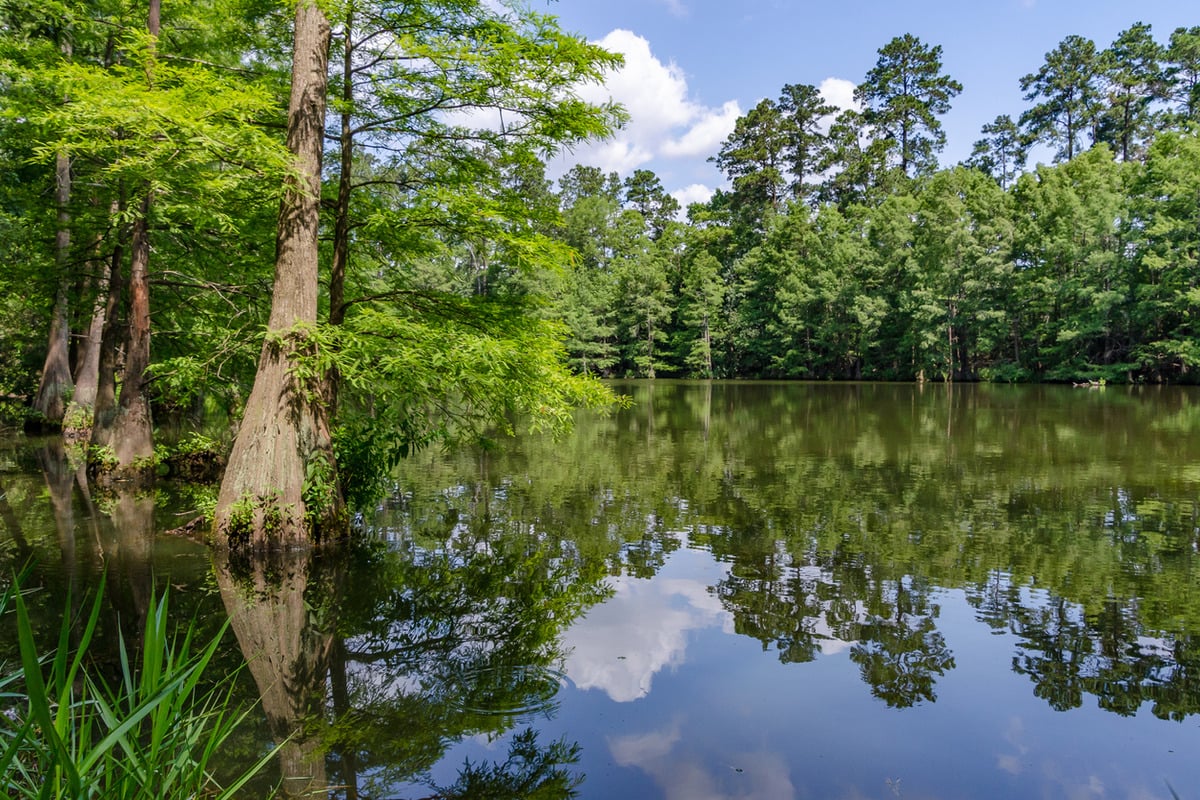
column 728, row 590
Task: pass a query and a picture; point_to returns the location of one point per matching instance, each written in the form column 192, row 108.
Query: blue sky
column 694, row 66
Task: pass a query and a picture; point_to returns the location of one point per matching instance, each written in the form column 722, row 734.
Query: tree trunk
column 280, row 485
column 341, row 222
column 130, row 432
column 133, row 431
column 105, row 409
column 341, row 212
column 708, row 365
column 87, row 368
column 55, row 387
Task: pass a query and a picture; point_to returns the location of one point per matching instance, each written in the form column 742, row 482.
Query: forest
column 334, row 222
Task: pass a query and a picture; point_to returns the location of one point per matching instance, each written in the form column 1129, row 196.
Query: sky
column 692, row 67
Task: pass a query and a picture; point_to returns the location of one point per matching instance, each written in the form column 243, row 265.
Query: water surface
column 730, row 590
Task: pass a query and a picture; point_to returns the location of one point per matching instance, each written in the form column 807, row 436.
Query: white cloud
column 676, row 7
column 664, row 120
column 705, row 136
column 695, row 193
column 838, row 92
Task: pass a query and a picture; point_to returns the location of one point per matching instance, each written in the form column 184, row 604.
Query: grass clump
column 66, row 733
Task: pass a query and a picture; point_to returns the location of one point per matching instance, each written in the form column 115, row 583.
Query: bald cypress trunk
column 105, row 408
column 132, row 437
column 280, row 484
column 130, row 430
column 55, row 386
column 87, row 366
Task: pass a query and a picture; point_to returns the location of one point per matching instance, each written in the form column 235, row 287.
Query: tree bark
column 133, row 430
column 280, row 486
column 130, row 430
column 55, row 387
column 341, row 224
column 87, row 367
column 105, row 409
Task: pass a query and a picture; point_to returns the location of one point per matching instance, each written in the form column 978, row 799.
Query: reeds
column 67, row 733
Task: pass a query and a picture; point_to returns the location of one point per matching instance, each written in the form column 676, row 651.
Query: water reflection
column 842, row 510
column 452, row 631
column 729, row 590
column 367, row 663
column 643, row 629
column 372, row 661
column 279, row 613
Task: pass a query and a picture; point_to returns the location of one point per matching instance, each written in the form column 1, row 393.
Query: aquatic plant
column 66, row 732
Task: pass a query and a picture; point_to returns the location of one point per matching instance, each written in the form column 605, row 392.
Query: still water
column 729, row 590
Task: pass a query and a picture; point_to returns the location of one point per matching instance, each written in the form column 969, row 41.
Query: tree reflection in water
column 425, row 646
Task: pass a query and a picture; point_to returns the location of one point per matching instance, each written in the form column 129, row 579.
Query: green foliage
column 319, row 489
column 1131, row 67
column 1002, row 151
column 101, row 458
column 150, row 734
column 1067, row 86
column 529, row 773
column 437, row 368
column 903, row 94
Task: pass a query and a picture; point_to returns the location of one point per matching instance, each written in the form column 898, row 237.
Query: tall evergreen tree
column 806, row 150
column 1182, row 60
column 1134, row 80
column 903, row 95
column 1066, row 93
column 1001, row 152
column 859, row 162
column 753, row 160
column 645, row 194
column 701, row 299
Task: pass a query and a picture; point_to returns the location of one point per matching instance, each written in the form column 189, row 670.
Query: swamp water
column 729, row 590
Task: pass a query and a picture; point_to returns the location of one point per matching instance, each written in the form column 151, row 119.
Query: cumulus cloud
column 664, row 120
column 695, row 193
column 705, row 136
column 838, row 92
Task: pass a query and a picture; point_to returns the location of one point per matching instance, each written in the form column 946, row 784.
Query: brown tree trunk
column 104, row 410
column 133, row 432
column 341, row 218
column 87, row 367
column 130, row 430
column 341, row 222
column 280, row 485
column 55, row 387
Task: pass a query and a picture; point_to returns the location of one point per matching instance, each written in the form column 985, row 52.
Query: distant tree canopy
column 840, row 249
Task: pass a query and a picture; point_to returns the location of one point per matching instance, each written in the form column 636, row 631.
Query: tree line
column 840, row 249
